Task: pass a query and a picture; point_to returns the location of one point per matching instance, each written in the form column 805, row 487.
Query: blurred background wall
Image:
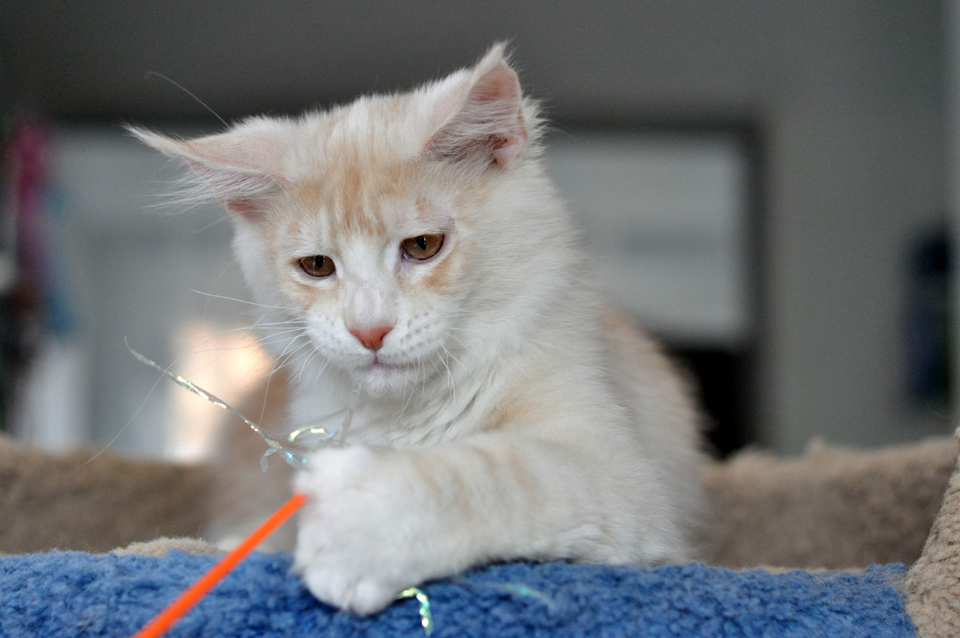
column 842, row 107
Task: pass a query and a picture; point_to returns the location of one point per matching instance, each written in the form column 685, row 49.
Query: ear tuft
column 243, row 166
column 487, row 124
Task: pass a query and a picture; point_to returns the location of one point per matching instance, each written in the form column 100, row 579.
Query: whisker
column 135, row 414
column 286, row 360
column 452, row 356
column 239, row 343
column 206, row 303
column 266, row 395
column 252, row 303
column 280, row 365
column 185, row 90
column 314, row 352
column 280, row 337
column 423, row 381
column 437, row 367
column 285, row 357
column 324, row 364
column 254, row 326
column 217, row 221
column 210, row 336
column 465, row 346
column 453, row 385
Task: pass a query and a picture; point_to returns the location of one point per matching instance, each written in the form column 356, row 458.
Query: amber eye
column 422, row 247
column 317, row 266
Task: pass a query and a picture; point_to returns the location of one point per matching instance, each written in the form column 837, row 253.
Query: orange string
column 162, row 621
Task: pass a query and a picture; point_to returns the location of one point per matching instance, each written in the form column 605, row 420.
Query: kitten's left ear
column 243, row 166
column 486, row 119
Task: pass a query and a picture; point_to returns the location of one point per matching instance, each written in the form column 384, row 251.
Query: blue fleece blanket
column 75, row 594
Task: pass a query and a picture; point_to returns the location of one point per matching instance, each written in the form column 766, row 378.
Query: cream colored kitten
column 505, row 413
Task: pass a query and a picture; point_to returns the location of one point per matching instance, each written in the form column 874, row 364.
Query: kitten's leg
column 381, row 521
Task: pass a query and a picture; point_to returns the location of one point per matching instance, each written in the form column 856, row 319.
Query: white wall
column 855, row 170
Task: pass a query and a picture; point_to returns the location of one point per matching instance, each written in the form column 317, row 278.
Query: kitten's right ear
column 482, row 114
column 244, row 166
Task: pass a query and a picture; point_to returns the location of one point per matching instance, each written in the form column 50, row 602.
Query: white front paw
column 368, row 530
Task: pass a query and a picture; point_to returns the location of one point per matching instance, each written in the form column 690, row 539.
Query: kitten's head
column 398, row 228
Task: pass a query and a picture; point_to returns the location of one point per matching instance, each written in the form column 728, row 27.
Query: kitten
column 505, row 412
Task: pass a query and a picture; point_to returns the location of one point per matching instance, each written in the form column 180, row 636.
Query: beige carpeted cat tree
column 831, row 508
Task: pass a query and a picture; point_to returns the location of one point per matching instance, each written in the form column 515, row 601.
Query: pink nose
column 372, row 338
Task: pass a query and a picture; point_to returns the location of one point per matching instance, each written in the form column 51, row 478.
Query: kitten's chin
column 387, row 380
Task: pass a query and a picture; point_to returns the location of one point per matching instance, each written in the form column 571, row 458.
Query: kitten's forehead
column 363, row 171
column 365, row 196
column 376, row 129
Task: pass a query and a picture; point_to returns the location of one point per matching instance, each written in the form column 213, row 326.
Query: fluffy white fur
column 508, row 414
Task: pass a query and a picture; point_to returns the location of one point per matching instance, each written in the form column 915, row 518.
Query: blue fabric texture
column 76, row 594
